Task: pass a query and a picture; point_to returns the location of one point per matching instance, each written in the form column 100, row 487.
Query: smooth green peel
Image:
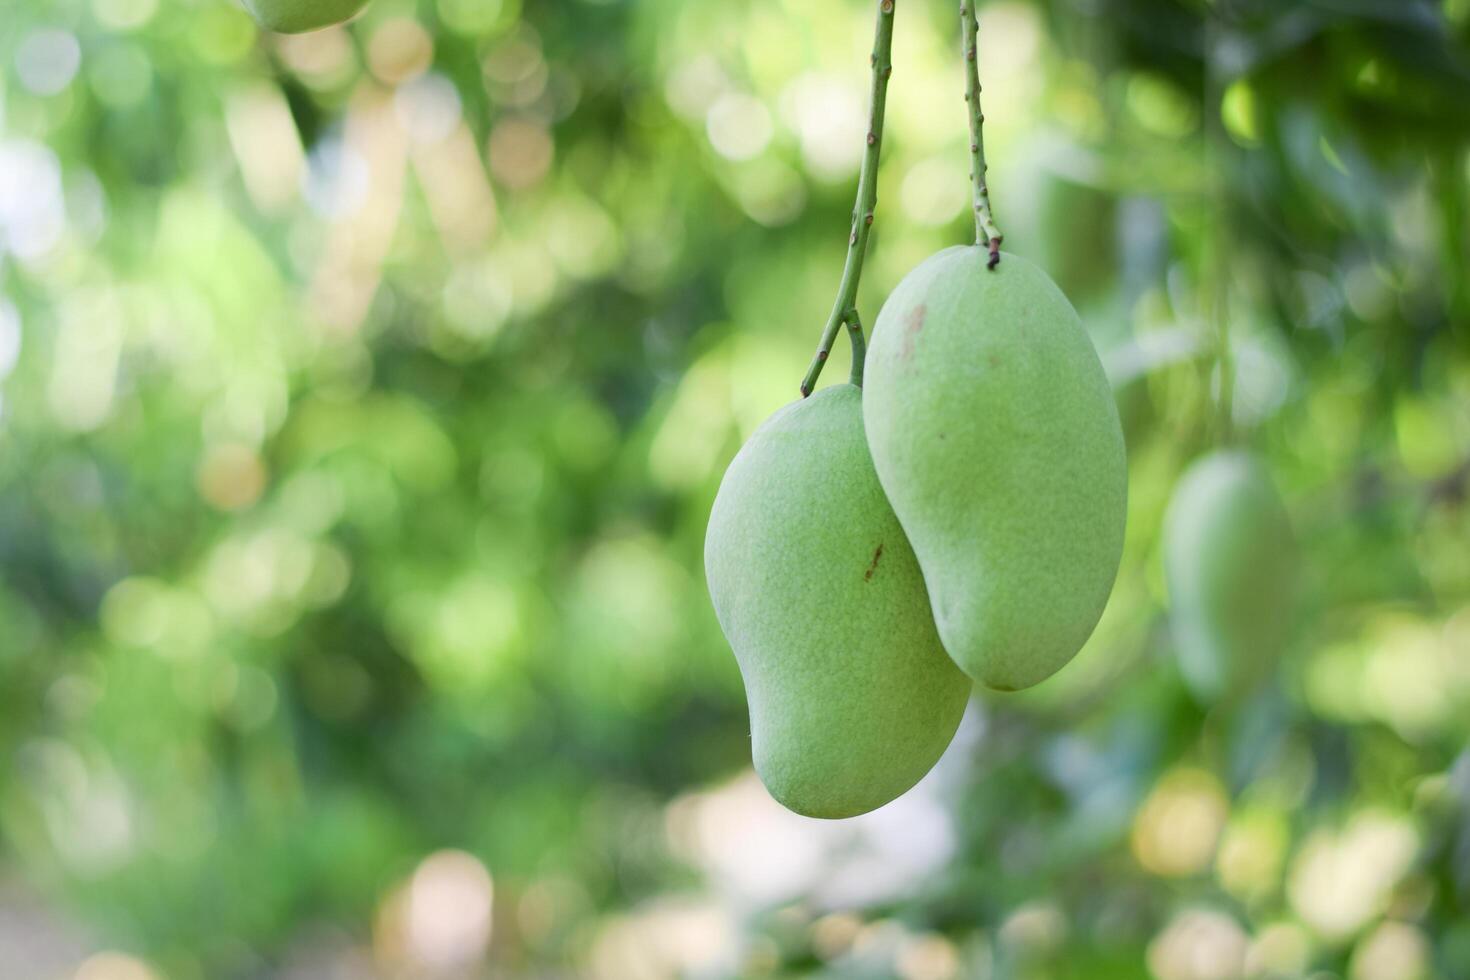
column 852, row 699
column 996, row 438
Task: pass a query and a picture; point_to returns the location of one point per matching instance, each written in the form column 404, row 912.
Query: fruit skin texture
column 852, row 699
column 299, row 16
column 1230, row 562
column 996, row 438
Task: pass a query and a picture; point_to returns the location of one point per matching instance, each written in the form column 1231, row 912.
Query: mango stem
column 859, row 348
column 844, row 308
column 987, row 233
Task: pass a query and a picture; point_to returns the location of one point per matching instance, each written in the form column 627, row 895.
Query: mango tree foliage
column 364, row 395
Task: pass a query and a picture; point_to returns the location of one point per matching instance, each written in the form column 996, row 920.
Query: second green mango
column 995, row 436
column 852, row 698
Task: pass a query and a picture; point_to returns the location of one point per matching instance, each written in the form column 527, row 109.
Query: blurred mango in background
column 364, row 393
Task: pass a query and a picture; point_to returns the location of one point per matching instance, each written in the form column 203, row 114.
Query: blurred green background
column 363, row 396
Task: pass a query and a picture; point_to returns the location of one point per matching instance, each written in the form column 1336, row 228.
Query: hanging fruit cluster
column 953, row 514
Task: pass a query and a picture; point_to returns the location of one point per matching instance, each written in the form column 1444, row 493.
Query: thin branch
column 844, row 309
column 986, row 231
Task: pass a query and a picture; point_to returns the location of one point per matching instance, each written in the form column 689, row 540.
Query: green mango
column 852, row 699
column 1230, row 563
column 996, row 438
column 299, row 16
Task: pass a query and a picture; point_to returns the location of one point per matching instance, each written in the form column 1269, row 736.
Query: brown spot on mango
column 912, row 324
column 873, row 566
